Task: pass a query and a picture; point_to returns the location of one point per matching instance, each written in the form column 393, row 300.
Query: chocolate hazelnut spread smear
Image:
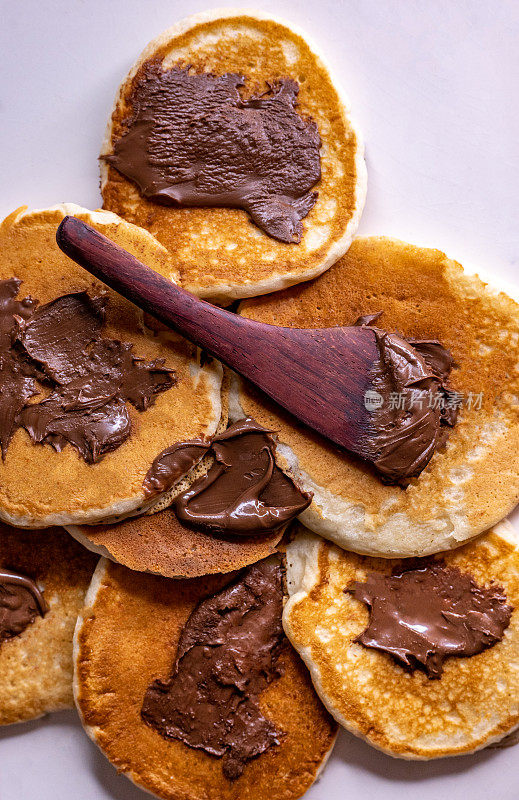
column 172, row 464
column 91, row 378
column 227, row 655
column 21, row 602
column 194, row 140
column 422, row 616
column 244, row 492
column 16, row 375
column 417, row 409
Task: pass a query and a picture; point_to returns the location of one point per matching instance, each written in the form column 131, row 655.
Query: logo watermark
column 402, row 401
column 373, row 400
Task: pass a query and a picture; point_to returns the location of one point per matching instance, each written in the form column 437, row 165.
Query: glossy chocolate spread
column 172, row 464
column 20, row 603
column 244, row 491
column 227, row 655
column 421, row 616
column 193, row 140
column 91, row 378
column 416, row 412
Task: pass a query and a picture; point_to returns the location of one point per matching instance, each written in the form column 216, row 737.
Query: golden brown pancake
column 125, row 638
column 41, row 487
column 470, row 484
column 408, row 715
column 160, row 543
column 36, row 665
column 221, row 255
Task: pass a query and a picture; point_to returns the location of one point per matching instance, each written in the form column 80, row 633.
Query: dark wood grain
column 319, row 375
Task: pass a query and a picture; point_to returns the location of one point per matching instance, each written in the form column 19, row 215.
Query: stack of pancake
column 258, row 586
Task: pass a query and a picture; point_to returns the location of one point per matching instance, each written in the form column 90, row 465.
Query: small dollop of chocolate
column 416, row 408
column 423, row 615
column 227, row 655
column 192, row 140
column 21, row 602
column 91, row 377
column 172, row 464
column 244, row 492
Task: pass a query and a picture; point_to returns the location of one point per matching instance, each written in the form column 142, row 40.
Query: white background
column 433, row 84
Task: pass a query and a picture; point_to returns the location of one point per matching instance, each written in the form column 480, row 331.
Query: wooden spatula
column 319, row 375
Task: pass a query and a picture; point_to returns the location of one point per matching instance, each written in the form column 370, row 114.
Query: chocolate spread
column 416, row 411
column 16, row 375
column 91, row 378
column 20, row 603
column 172, row 464
column 422, row 615
column 193, row 140
column 227, row 655
column 244, row 491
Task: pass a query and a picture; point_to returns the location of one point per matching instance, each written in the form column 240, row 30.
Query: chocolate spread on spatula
column 91, row 378
column 244, row 492
column 193, row 140
column 416, row 408
column 423, row 615
column 411, row 421
column 227, row 655
column 21, row 602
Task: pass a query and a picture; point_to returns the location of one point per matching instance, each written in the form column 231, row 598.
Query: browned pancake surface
column 128, row 638
column 474, row 481
column 160, row 543
column 218, row 251
column 39, row 486
column 476, row 700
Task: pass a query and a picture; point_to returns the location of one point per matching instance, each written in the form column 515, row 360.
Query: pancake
column 36, row 665
column 161, row 544
column 126, row 638
column 474, row 703
column 221, row 255
column 39, row 486
column 472, row 482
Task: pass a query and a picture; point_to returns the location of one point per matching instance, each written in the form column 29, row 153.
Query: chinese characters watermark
column 405, row 401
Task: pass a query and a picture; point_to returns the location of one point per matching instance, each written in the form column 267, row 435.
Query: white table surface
column 434, row 88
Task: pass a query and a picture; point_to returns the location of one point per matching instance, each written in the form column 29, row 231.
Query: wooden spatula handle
column 320, row 376
column 175, row 307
